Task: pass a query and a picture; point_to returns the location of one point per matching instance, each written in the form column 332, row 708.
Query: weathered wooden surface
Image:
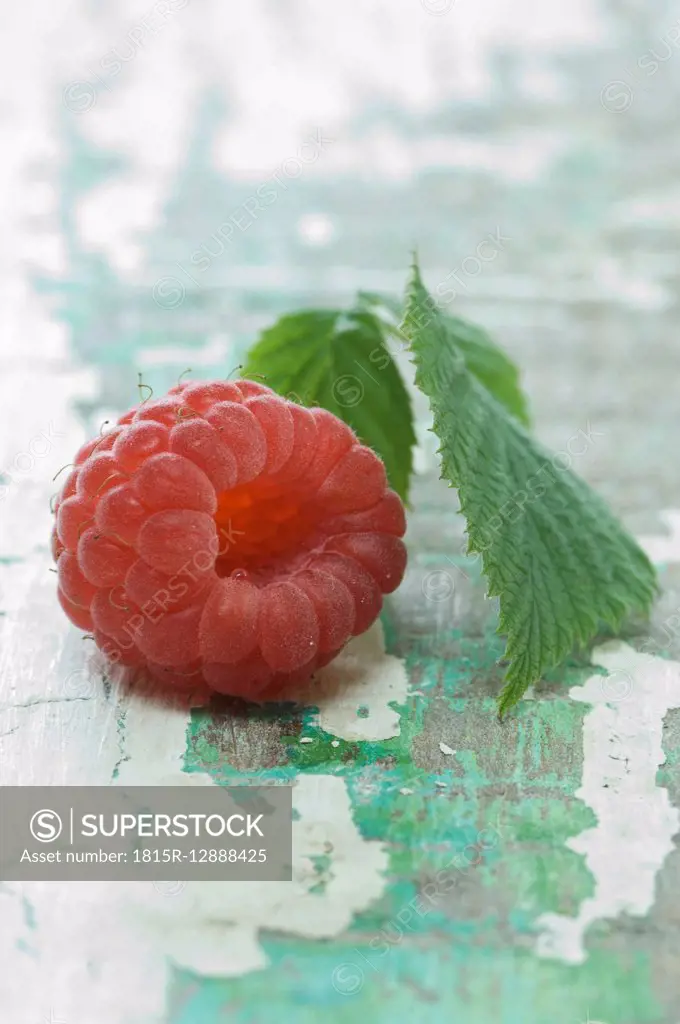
column 134, row 140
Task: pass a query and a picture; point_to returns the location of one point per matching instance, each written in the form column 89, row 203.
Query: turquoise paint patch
column 451, row 846
column 474, row 981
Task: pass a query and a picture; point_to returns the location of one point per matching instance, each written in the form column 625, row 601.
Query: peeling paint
column 139, row 930
column 211, row 928
column 362, row 676
column 636, row 822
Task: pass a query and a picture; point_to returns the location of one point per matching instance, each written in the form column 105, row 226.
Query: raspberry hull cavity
column 223, row 535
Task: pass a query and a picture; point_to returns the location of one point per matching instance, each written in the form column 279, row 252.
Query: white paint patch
column 212, row 928
column 664, row 549
column 636, row 821
column 154, row 742
column 362, row 676
column 446, row 749
column 138, row 930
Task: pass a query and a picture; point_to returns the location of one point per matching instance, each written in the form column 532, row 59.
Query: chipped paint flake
column 139, row 931
column 446, row 749
column 362, row 676
column 636, row 822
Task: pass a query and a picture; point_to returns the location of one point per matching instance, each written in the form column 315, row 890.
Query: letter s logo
column 46, row 826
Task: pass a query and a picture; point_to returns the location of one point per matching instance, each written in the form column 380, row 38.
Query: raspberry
column 224, row 535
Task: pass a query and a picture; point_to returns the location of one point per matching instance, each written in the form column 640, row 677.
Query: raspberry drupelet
column 225, row 535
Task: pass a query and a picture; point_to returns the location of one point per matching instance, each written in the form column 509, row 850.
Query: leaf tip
column 504, row 704
column 415, row 279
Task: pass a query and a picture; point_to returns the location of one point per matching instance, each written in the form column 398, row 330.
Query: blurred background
column 177, row 174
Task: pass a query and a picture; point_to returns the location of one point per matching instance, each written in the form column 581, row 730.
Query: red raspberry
column 225, row 535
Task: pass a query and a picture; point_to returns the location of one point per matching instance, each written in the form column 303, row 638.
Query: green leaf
column 551, row 550
column 339, row 360
column 490, row 365
column 483, row 357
